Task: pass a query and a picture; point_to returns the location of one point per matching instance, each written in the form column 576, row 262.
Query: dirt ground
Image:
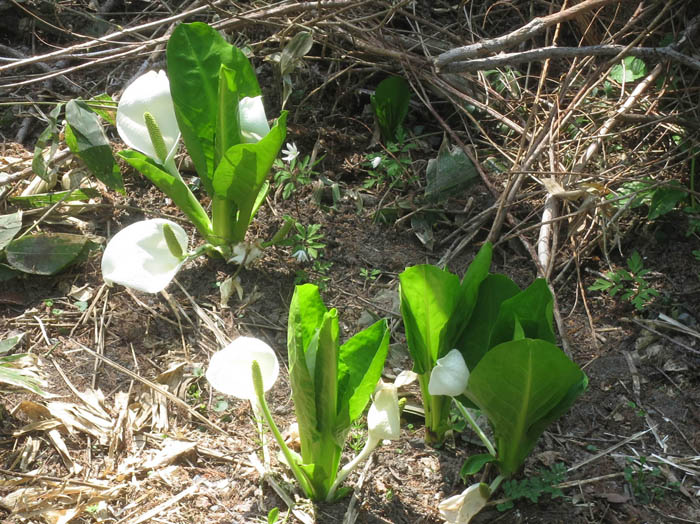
column 627, row 450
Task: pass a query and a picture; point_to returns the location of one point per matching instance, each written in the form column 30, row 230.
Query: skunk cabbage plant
column 492, row 347
column 211, row 97
column 331, row 386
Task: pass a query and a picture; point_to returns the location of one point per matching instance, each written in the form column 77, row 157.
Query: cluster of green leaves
column 295, row 175
column 532, row 488
column 660, row 198
column 331, row 384
column 646, row 481
column 208, row 78
column 519, row 378
column 631, row 284
column 394, row 164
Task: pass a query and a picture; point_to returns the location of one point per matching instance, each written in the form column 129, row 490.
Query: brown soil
column 630, row 444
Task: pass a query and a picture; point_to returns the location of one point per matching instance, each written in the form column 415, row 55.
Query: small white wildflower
column 291, row 153
column 376, row 161
column 301, row 256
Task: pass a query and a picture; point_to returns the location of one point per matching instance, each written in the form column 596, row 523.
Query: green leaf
column 360, row 365
column 242, row 173
column 105, row 106
column 532, row 308
column 631, row 69
column 45, row 253
column 48, row 138
column 9, row 227
column 473, row 465
column 10, row 342
column 390, row 104
column 428, row 299
column 14, row 372
column 195, row 54
column 469, row 291
column 298, row 46
column 48, row 199
column 522, row 386
column 448, row 174
column 474, row 341
column 665, row 199
column 272, row 515
column 228, row 126
column 173, row 187
column 86, row 138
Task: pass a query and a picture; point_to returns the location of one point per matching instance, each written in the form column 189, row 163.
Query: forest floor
column 110, row 449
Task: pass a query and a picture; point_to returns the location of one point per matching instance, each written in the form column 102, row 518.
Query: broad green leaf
column 469, row 291
column 173, row 187
column 48, row 199
column 428, row 299
column 9, row 227
column 360, row 366
column 474, row 340
column 7, row 273
column 242, row 172
column 44, row 253
column 532, row 308
column 448, row 174
column 522, row 386
column 630, row 69
column 195, row 54
column 86, row 138
column 390, row 104
column 48, row 138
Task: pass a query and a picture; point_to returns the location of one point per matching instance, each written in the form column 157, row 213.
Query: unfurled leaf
column 631, row 69
column 49, row 199
column 448, row 174
column 45, row 253
column 86, row 138
column 522, row 386
column 9, row 227
column 390, row 104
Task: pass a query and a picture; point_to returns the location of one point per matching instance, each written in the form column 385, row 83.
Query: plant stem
column 303, row 480
column 258, row 412
column 475, row 427
column 222, row 220
column 345, row 471
column 435, row 423
column 496, row 483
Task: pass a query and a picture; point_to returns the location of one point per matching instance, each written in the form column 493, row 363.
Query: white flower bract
column 383, row 419
column 252, row 119
column 449, row 376
column 460, row 509
column 376, row 161
column 230, row 370
column 148, row 93
column 138, row 256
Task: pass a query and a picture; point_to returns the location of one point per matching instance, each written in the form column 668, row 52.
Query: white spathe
column 148, row 93
column 383, row 418
column 138, row 256
column 230, row 370
column 449, row 376
column 252, row 119
column 460, row 509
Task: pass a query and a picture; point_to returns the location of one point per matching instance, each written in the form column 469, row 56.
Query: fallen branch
column 537, row 25
column 545, row 53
